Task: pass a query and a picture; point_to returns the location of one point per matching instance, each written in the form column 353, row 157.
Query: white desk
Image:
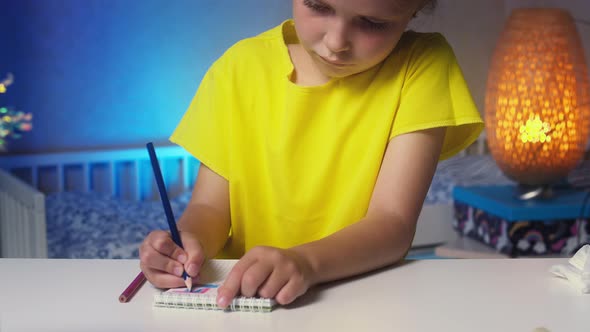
column 497, row 295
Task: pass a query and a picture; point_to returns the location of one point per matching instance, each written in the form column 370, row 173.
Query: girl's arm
column 207, row 214
column 204, row 227
column 386, row 233
column 382, row 237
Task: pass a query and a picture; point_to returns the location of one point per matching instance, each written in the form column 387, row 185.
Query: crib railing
column 22, row 219
column 124, row 174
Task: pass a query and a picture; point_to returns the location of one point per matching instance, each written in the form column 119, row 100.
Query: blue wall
column 115, row 73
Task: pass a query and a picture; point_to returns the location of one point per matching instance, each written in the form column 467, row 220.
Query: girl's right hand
column 163, row 262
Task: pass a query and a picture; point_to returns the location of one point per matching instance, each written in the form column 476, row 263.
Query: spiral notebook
column 204, row 294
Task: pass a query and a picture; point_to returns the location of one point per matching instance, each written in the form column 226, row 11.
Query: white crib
column 123, row 173
column 22, row 219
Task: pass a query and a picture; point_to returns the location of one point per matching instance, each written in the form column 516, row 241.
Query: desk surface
column 427, row 295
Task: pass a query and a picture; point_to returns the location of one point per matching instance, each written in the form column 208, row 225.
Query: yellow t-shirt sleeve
column 204, row 130
column 435, row 94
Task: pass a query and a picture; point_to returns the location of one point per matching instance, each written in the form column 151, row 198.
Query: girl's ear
column 426, row 4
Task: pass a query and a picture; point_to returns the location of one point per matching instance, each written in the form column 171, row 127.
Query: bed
column 101, row 204
column 87, row 204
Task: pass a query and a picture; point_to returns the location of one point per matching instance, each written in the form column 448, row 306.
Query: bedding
column 91, row 225
column 469, row 170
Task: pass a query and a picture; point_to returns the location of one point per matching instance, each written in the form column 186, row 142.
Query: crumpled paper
column 576, row 270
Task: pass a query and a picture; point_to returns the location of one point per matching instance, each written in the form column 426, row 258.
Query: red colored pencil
column 133, row 287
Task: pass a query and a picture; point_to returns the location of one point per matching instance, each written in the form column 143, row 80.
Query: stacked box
column 546, row 226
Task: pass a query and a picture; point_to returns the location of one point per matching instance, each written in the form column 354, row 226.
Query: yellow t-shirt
column 302, row 161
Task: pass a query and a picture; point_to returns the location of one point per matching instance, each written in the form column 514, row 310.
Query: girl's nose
column 336, row 37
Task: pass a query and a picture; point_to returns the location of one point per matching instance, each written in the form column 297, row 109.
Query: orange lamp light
column 537, row 110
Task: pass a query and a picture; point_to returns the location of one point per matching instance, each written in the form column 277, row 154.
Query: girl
column 318, row 141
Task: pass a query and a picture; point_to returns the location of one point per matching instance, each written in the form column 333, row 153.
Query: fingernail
column 178, row 271
column 182, row 259
column 222, row 302
column 192, row 270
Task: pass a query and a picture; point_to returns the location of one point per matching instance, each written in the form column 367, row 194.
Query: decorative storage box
column 494, row 216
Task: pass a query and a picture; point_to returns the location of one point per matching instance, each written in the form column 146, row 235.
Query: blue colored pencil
column 167, row 208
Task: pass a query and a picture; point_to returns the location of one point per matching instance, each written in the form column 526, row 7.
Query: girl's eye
column 317, row 7
column 364, row 23
column 372, row 25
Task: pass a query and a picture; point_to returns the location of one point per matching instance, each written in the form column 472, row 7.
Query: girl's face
column 346, row 37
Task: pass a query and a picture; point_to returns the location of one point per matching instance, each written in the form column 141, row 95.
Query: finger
column 153, row 259
column 272, row 285
column 231, row 285
column 163, row 243
column 162, row 279
column 195, row 254
column 254, row 277
column 294, row 288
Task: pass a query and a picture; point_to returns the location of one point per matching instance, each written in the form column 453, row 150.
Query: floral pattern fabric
column 91, row 225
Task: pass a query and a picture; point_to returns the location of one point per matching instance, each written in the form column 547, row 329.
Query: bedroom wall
column 580, row 10
column 99, row 74
column 471, row 28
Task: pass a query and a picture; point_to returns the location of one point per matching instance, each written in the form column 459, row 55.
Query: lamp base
column 526, row 192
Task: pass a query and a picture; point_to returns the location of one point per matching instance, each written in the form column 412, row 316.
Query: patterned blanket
column 91, row 225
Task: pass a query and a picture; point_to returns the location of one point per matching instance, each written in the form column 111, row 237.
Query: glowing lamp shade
column 537, row 110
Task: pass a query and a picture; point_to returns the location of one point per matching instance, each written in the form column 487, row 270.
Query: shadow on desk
column 315, row 294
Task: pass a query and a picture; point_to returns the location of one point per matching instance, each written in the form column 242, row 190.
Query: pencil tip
column 189, row 283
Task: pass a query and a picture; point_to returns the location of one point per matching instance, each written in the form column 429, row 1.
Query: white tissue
column 576, row 270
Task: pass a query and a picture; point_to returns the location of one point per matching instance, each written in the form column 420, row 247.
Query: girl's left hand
column 267, row 272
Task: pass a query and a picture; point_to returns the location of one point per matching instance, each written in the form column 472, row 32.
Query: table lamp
column 537, row 108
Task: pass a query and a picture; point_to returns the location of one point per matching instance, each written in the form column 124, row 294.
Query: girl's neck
column 305, row 72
